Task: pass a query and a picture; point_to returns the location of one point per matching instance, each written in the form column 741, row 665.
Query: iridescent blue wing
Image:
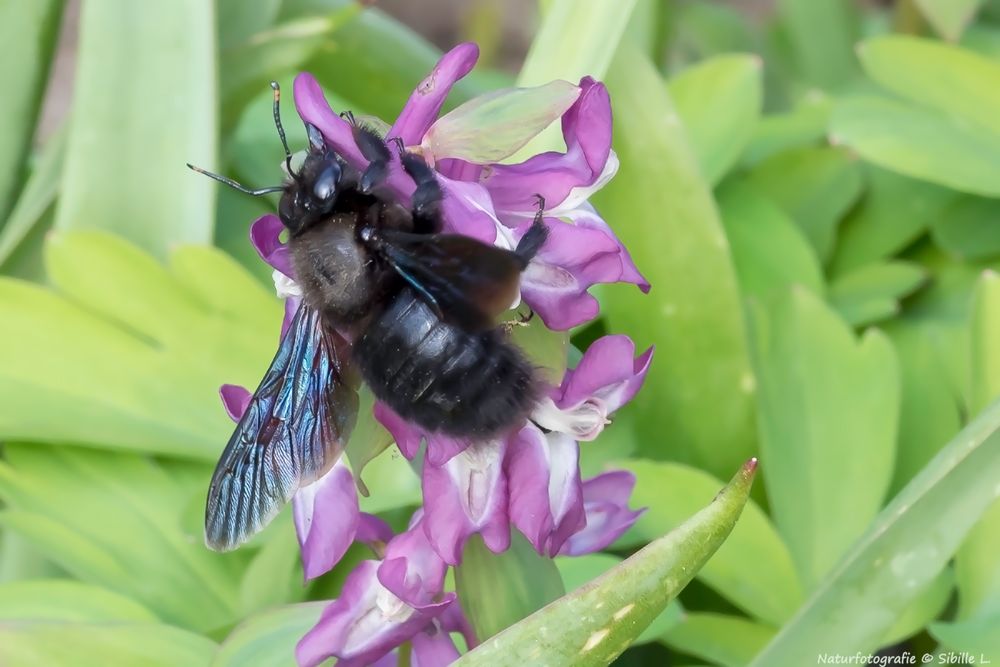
column 292, row 432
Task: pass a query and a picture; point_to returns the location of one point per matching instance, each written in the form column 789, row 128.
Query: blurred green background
column 812, row 187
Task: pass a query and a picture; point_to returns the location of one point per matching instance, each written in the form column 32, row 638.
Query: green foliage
column 813, row 192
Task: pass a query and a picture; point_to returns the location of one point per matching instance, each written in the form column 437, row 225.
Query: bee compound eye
column 325, row 187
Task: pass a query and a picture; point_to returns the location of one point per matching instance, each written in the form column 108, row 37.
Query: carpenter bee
column 388, row 299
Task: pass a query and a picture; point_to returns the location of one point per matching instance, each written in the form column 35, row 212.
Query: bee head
column 311, row 194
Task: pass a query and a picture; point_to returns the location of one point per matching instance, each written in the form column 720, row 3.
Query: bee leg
column 521, row 321
column 427, row 197
column 375, row 151
column 535, row 237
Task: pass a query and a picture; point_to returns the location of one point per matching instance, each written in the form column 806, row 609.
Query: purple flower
column 385, row 603
column 605, row 504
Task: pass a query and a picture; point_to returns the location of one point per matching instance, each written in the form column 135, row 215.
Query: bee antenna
column 281, row 131
column 236, row 186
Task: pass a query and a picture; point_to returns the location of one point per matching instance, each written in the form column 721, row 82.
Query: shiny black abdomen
column 441, row 377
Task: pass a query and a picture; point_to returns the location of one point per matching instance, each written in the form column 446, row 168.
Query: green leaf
column 498, row 590
column 662, row 209
column 719, row 101
column 925, row 608
column 28, row 32
column 577, row 571
column 976, row 564
column 237, row 25
column 946, row 78
column 66, row 600
column 811, row 374
column 268, row 639
column 594, row 624
column 704, row 28
column 805, row 125
column 823, row 56
column 721, row 639
column 815, row 186
column 36, row 199
column 157, row 342
column 900, row 554
column 87, row 644
column 894, row 212
column 949, row 18
column 978, row 636
column 753, row 569
column 920, row 143
column 273, row 576
column 929, row 411
column 969, row 228
column 144, row 97
column 770, row 251
column 113, row 520
column 872, row 293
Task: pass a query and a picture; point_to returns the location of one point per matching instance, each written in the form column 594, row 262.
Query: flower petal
column 546, row 501
column 314, row 109
column 425, row 103
column 469, row 211
column 605, row 502
column 235, row 400
column 411, row 569
column 587, row 132
column 365, row 623
column 573, row 258
column 326, row 519
column 372, row 530
column 607, row 371
column 265, row 236
column 494, row 126
column 587, row 217
column 440, row 448
column 467, row 495
column 432, row 647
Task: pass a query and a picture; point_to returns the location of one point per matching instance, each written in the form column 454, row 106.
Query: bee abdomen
column 441, row 377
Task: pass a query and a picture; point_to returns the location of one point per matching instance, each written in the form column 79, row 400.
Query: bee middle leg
column 427, row 197
column 373, row 147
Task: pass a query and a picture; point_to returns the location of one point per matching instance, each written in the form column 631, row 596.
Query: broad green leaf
column 872, row 293
column 900, row 554
column 827, row 408
column 979, row 637
column 725, row 640
column 719, row 101
column 920, row 143
column 976, row 564
column 804, row 125
column 929, row 413
column 815, row 186
column 28, row 32
column 495, row 125
column 273, row 576
column 821, row 34
column 498, row 590
column 66, row 600
column 894, row 211
column 753, row 569
column 36, row 197
column 158, row 342
column 595, row 623
column 268, row 639
column 969, row 228
column 237, row 25
column 113, row 520
column 924, row 609
column 949, row 18
column 770, row 251
column 943, row 77
column 577, row 571
column 144, row 101
column 87, row 644
column 662, row 209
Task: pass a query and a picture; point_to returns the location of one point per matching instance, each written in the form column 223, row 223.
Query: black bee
column 419, row 306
